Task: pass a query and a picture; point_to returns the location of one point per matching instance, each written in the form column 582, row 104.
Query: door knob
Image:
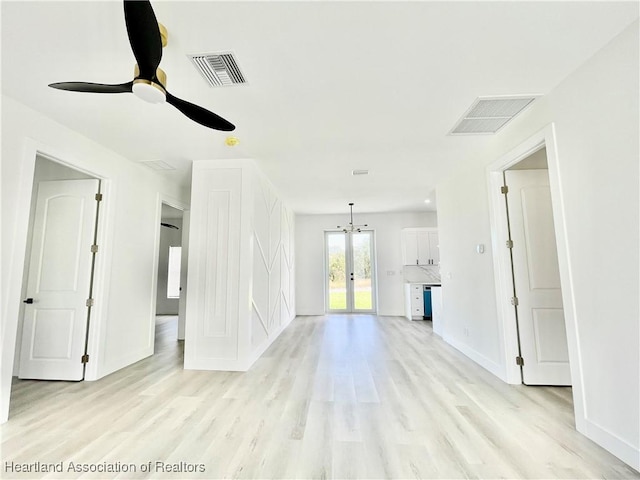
column 28, row 300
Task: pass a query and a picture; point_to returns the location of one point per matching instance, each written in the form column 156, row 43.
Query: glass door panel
column 362, row 278
column 336, row 272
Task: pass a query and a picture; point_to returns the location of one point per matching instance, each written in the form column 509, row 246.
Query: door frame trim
column 33, row 149
column 502, row 266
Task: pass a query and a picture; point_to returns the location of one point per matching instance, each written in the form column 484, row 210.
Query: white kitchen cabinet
column 436, row 309
column 420, row 246
column 413, row 301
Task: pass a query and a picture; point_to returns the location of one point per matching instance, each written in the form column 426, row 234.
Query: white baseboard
column 257, row 353
column 486, row 363
column 235, row 364
column 612, row 443
column 122, row 362
column 601, row 436
column 216, row 364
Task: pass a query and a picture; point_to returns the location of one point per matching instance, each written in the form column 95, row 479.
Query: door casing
column 502, row 264
column 96, row 331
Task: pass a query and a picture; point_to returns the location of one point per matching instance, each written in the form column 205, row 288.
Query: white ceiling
column 332, row 86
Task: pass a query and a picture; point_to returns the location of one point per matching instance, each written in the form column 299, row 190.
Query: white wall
column 241, row 269
column 273, row 274
column 595, row 112
column 310, row 277
column 122, row 323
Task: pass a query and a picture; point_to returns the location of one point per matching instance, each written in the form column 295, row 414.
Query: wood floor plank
column 337, row 396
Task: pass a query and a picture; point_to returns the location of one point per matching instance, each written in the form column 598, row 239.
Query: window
column 173, row 275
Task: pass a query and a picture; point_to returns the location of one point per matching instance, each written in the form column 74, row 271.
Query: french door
column 350, row 272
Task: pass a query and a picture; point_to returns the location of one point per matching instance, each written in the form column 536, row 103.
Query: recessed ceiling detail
column 360, row 172
column 218, row 69
column 487, row 115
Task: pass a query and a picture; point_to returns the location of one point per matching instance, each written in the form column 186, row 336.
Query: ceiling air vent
column 218, row 69
column 158, row 165
column 487, row 115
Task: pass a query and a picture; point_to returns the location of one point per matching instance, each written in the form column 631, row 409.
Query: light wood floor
column 334, row 397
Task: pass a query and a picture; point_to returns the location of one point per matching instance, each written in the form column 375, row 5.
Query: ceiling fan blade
column 144, row 36
column 93, row 87
column 200, row 115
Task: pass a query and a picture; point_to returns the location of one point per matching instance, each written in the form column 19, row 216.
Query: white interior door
column 543, row 338
column 55, row 318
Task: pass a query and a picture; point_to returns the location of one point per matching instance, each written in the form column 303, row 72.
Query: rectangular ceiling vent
column 218, row 69
column 487, row 115
column 158, row 165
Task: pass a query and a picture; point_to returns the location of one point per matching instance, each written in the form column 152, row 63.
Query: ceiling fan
column 149, row 82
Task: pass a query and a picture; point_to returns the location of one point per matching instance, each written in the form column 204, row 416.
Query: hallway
column 339, row 396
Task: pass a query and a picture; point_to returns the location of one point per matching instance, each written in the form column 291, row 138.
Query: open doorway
column 171, row 280
column 533, row 288
column 57, row 287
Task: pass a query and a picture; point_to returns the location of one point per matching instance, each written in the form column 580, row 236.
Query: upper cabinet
column 420, row 246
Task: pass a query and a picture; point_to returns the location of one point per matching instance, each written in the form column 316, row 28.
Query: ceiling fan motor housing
column 149, row 90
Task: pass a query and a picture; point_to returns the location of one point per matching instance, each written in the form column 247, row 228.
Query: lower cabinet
column 414, row 304
column 413, row 301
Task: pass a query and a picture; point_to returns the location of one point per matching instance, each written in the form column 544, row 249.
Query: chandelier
column 351, row 227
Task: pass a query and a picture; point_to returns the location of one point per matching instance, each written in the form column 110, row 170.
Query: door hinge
column 89, row 302
column 514, row 301
column 519, row 361
column 509, row 243
column 94, row 248
column 504, row 189
column 85, row 358
column 98, row 197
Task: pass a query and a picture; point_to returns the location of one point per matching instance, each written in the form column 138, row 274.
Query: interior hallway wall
column 123, row 322
column 241, row 266
column 596, row 116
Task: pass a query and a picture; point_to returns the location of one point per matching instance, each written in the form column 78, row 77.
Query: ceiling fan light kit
column 148, row 90
column 147, row 37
